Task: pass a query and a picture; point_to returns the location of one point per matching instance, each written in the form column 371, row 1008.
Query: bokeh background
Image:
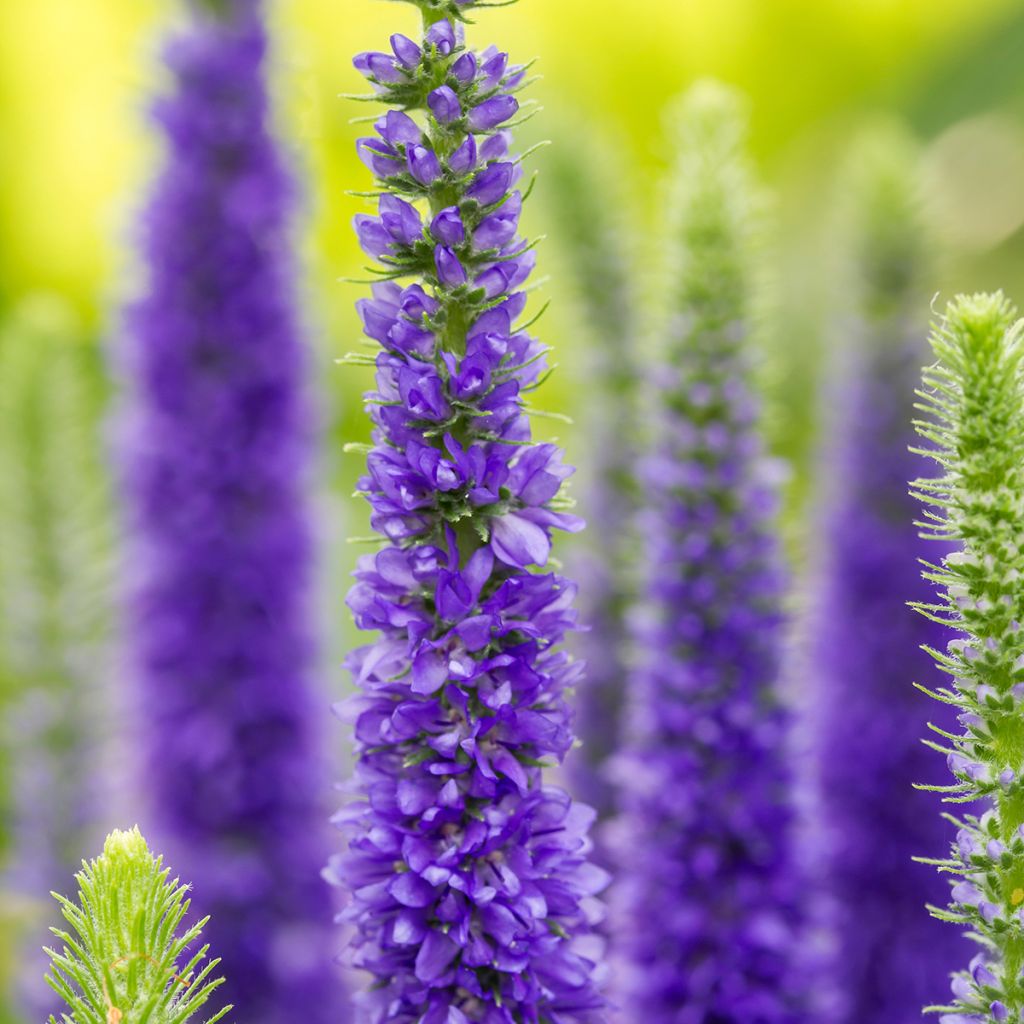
column 75, row 79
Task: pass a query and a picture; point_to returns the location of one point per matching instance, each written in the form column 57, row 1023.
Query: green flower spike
column 125, row 958
column 974, row 402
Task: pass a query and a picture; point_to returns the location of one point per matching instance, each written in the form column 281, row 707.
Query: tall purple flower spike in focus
column 471, row 893
column 887, row 956
column 707, row 900
column 217, row 437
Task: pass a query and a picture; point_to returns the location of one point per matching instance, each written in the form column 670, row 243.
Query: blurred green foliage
column 56, row 548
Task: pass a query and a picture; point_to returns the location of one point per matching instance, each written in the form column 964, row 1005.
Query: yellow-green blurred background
column 76, row 153
column 75, row 76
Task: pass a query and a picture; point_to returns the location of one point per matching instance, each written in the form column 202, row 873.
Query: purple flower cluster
column 708, row 897
column 217, row 436
column 472, row 896
column 888, row 956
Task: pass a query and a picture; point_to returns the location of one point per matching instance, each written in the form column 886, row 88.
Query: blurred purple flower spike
column 215, row 450
column 887, row 956
column 708, row 902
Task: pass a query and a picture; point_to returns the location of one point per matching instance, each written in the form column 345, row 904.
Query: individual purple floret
column 472, row 897
column 708, row 896
column 888, row 957
column 216, row 442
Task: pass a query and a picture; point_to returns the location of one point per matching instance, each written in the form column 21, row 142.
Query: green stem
column 452, row 338
column 431, row 17
column 221, row 9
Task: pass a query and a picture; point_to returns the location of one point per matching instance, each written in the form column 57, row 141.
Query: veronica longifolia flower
column 708, row 896
column 215, row 464
column 472, row 896
column 974, row 404
column 887, row 958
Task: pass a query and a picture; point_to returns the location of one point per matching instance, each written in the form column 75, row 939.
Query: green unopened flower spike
column 57, row 547
column 127, row 958
column 974, row 402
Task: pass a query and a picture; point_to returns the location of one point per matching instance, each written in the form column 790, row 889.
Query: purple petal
column 463, row 160
column 442, row 35
column 374, row 239
column 447, row 227
column 435, row 956
column 444, row 105
column 499, row 228
column 401, row 219
column 407, row 52
column 491, row 184
column 450, row 271
column 379, row 66
column 517, row 541
column 492, row 112
column 411, row 891
column 397, row 128
column 423, row 165
column 429, row 672
column 464, row 69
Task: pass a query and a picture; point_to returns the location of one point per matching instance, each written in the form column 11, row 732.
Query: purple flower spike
column 888, row 956
column 444, row 105
column 492, row 112
column 472, row 898
column 709, row 896
column 972, row 401
column 214, row 467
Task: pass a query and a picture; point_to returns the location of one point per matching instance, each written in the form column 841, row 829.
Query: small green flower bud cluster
column 125, row 958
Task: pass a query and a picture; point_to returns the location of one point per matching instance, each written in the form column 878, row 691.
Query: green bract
column 974, row 401
column 125, row 958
